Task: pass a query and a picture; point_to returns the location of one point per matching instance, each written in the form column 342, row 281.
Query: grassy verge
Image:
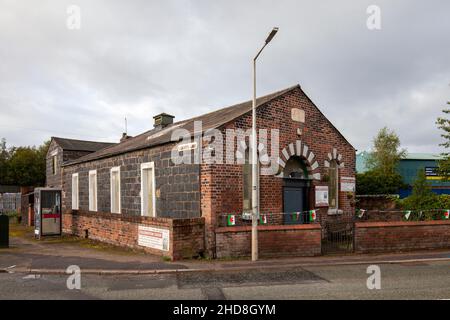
column 26, row 232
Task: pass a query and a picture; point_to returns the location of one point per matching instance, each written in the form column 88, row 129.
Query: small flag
column 407, row 214
column 294, row 216
column 231, row 220
column 361, row 213
column 263, row 219
column 446, row 214
column 312, row 215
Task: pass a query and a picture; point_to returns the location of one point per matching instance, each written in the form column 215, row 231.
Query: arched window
column 333, row 196
column 247, row 181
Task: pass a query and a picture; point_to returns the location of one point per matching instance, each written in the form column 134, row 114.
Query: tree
column 374, row 182
column 382, row 176
column 422, row 198
column 386, row 152
column 444, row 165
column 24, row 166
column 421, row 189
column 4, row 157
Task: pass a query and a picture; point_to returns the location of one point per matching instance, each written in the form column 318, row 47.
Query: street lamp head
column 271, row 35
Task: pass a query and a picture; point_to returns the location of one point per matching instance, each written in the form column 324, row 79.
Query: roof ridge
column 91, row 141
column 127, row 145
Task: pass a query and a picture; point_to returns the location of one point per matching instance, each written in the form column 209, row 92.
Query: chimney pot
column 125, row 137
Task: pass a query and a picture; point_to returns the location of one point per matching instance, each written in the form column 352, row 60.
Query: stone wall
column 55, row 180
column 177, row 186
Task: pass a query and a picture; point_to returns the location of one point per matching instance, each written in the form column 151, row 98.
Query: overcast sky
column 135, row 59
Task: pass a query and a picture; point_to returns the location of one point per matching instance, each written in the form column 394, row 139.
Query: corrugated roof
column 361, row 159
column 423, row 156
column 81, row 145
column 156, row 137
column 9, row 189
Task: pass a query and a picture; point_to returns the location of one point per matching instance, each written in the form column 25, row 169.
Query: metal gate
column 338, row 236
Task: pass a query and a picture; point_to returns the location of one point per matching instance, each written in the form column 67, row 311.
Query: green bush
column 375, row 182
column 422, row 200
column 430, row 202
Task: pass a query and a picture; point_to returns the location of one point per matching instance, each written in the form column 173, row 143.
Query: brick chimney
column 162, row 120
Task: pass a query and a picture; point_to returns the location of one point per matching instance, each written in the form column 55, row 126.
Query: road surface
column 417, row 280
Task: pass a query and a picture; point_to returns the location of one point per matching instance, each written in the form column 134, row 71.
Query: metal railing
column 402, row 215
column 10, row 202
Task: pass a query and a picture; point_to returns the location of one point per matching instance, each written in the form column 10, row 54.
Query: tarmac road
column 418, row 280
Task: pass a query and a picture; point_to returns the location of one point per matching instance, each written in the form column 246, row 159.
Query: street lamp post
column 255, row 191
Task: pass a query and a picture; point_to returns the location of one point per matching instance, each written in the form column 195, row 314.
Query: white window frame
column 115, row 169
column 93, row 180
column 75, row 193
column 144, row 166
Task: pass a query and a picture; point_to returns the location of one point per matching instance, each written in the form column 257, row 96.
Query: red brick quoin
column 222, row 185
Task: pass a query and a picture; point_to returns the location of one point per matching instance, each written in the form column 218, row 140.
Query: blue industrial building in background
column 408, row 169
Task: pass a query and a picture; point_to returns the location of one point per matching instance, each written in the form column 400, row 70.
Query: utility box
column 4, row 231
column 47, row 212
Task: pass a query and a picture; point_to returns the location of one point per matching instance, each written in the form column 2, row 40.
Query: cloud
column 136, row 59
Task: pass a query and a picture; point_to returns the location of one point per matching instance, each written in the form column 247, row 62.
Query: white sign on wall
column 348, row 184
column 151, row 237
column 321, row 196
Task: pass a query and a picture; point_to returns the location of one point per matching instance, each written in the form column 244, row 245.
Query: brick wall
column 222, row 185
column 376, row 202
column 177, row 187
column 372, row 237
column 274, row 241
column 186, row 235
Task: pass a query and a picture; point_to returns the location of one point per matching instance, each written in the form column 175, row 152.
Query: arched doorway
column 296, row 191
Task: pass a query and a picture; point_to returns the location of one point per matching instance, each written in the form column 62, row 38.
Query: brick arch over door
column 301, row 150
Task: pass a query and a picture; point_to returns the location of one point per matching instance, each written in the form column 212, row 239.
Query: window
column 148, row 189
column 333, row 196
column 93, row 190
column 75, row 191
column 54, row 164
column 247, row 181
column 115, row 190
column 247, row 205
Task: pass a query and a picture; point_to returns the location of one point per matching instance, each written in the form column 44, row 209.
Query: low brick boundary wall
column 274, row 241
column 373, row 237
column 186, row 236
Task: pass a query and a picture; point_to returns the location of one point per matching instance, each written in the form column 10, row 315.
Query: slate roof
column 156, row 137
column 81, row 145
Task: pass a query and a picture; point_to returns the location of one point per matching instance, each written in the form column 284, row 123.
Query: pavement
column 53, row 256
